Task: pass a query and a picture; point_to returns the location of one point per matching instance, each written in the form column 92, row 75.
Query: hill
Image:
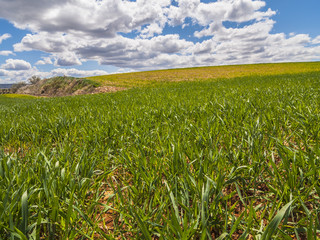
column 61, row 86
column 65, row 86
column 151, row 78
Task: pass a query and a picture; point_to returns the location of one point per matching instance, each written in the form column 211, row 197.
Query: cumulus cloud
column 44, row 61
column 316, row 40
column 44, row 41
column 13, row 76
column 77, row 73
column 6, row 53
column 16, row 64
column 3, row 72
column 130, row 34
column 84, row 17
column 217, row 12
column 67, row 59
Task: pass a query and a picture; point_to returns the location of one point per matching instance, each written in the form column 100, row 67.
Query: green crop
column 230, row 159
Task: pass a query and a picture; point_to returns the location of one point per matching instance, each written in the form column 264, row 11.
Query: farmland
column 198, row 154
column 154, row 78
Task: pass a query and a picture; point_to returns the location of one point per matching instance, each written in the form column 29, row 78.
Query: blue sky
column 89, row 37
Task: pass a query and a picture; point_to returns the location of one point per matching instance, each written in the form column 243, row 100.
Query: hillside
column 62, row 86
column 65, row 86
column 151, row 78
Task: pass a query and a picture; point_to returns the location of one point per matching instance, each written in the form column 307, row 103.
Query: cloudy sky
column 95, row 37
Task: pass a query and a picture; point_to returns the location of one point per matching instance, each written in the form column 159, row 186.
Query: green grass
column 232, row 158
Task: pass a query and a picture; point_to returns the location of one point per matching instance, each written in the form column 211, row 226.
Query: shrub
column 34, row 79
column 15, row 87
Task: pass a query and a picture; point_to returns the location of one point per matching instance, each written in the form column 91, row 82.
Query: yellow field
column 137, row 79
column 18, row 96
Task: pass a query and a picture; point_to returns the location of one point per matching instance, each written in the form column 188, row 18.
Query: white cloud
column 44, row 61
column 316, row 40
column 44, row 41
column 6, row 53
column 76, row 73
column 4, row 36
column 14, row 76
column 67, row 59
column 217, row 12
column 3, row 72
column 73, row 32
column 83, row 17
column 16, row 64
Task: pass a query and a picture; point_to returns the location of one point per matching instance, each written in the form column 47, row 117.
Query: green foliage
column 66, row 85
column 34, row 79
column 86, row 82
column 223, row 159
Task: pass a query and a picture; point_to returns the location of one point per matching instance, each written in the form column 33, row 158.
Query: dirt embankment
column 63, row 86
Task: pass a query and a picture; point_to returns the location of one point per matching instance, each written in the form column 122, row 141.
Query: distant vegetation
column 232, row 158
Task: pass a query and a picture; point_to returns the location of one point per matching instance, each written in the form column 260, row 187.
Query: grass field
column 234, row 158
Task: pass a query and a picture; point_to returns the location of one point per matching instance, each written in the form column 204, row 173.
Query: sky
column 96, row 37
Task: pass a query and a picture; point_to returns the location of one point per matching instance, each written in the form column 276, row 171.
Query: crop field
column 153, row 78
column 16, row 96
column 222, row 158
